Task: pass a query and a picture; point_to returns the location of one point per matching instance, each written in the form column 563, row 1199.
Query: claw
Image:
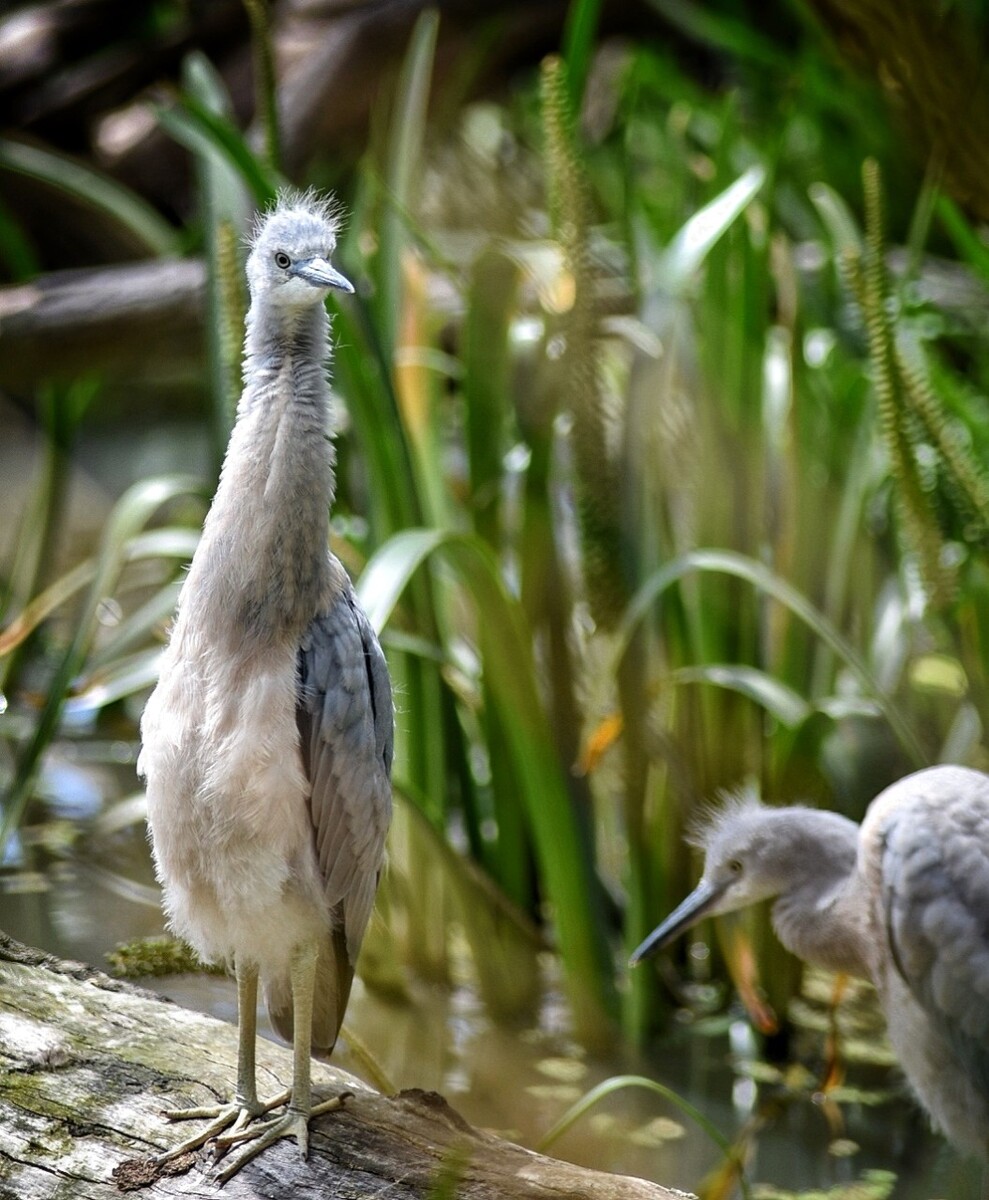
column 235, row 1116
column 260, row 1136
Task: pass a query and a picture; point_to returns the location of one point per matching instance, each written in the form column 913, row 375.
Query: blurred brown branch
column 140, row 321
column 932, row 67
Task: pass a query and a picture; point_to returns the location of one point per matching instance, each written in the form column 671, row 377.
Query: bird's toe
column 259, row 1136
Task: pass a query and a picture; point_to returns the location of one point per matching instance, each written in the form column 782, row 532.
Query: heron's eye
column 735, row 867
column 282, row 260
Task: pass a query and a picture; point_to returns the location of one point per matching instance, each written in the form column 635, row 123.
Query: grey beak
column 319, row 273
column 700, row 901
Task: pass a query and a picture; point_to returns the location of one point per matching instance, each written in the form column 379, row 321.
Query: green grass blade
column 492, row 301
column 139, row 626
column 579, row 32
column 618, row 1083
column 734, row 37
column 742, row 567
column 82, row 183
column 694, row 240
column 781, row 701
column 837, row 219
column 205, row 133
column 43, row 605
column 363, row 375
column 123, row 678
column 16, row 249
column 405, row 147
column 61, row 408
column 228, row 174
column 506, row 651
column 504, row 942
column 129, row 514
column 968, row 245
column 265, row 90
column 158, row 543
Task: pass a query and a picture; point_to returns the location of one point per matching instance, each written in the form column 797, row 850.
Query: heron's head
column 289, row 264
column 752, row 853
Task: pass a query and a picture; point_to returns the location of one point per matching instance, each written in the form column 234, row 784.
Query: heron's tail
column 334, row 975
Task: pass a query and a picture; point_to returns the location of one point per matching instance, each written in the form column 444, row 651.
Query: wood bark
column 137, row 321
column 87, row 1064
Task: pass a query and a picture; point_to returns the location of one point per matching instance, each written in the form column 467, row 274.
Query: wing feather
column 345, row 720
column 935, row 883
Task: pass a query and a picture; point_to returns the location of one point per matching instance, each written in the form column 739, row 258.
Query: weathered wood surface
column 87, row 1064
column 135, row 320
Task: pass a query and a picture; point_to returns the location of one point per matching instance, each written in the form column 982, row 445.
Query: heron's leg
column 246, row 1105
column 295, row 1122
column 247, row 1029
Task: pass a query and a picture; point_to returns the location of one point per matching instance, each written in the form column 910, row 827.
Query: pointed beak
column 319, row 273
column 697, row 905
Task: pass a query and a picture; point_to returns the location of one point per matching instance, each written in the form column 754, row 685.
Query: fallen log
column 88, row 1064
column 133, row 321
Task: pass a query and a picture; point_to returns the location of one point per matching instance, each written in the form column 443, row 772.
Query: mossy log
column 88, row 1064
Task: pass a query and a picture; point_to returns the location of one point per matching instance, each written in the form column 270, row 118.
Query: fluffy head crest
column 299, row 221
column 713, row 816
column 308, row 210
column 290, row 267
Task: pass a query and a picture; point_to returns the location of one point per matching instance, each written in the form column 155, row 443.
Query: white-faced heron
column 267, row 743
column 902, row 900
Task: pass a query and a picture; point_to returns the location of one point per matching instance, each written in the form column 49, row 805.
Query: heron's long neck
column 820, row 913
column 825, row 923
column 266, row 533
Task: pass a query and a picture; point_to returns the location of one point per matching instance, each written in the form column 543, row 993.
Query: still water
column 92, row 888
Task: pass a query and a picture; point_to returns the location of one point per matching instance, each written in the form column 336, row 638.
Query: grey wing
column 935, row 882
column 344, row 714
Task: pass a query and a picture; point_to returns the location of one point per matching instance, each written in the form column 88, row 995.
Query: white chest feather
column 227, row 805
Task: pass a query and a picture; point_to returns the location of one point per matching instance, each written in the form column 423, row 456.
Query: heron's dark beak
column 700, row 901
column 319, row 273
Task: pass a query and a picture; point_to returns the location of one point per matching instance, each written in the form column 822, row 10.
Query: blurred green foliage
column 657, row 461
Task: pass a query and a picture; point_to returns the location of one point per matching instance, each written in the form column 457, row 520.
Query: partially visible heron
column 267, row 743
column 902, row 901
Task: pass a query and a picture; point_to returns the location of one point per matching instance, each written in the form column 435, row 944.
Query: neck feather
column 809, row 861
column 264, row 551
column 826, row 924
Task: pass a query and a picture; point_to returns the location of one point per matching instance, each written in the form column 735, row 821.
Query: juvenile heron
column 902, row 901
column 267, row 743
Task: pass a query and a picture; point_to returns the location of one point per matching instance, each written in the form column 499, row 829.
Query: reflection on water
column 514, row 1081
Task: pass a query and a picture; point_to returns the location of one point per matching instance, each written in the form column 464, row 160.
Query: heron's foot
column 234, row 1117
column 293, row 1123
